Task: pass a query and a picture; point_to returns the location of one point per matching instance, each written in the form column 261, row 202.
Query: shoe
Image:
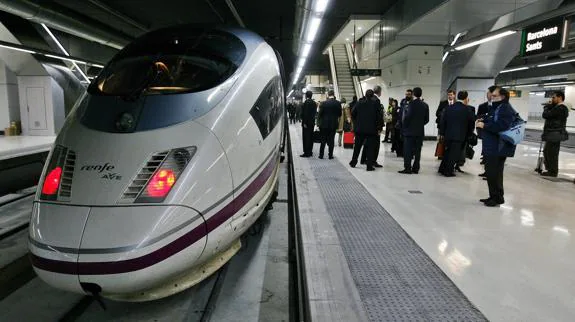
column 483, row 175
column 377, row 165
column 352, row 164
column 484, row 200
column 321, row 157
column 371, row 169
column 331, row 157
column 482, row 162
column 305, row 155
column 492, row 203
column 549, row 174
column 449, row 175
column 363, row 162
column 405, row 171
column 458, row 169
column 415, row 172
column 484, row 178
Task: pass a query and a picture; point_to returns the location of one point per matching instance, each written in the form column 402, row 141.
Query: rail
column 300, row 307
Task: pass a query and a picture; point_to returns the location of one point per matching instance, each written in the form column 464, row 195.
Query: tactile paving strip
column 396, row 280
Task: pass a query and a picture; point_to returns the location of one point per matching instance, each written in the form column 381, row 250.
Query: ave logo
column 105, row 170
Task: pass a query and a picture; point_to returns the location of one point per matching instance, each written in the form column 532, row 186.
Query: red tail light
column 52, row 182
column 161, row 183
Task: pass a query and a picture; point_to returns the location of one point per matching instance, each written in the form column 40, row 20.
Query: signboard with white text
column 543, row 37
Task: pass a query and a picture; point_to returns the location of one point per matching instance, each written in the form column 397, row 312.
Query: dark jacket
column 482, row 109
column 329, row 114
column 402, row 107
column 439, row 112
column 308, row 112
column 368, row 117
column 555, row 118
column 498, row 121
column 416, row 116
column 457, row 122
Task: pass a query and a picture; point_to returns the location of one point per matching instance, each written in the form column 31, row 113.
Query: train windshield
column 169, row 62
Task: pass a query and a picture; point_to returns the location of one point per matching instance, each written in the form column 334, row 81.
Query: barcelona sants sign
column 544, row 37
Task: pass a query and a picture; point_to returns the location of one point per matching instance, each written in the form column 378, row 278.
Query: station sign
column 514, row 93
column 544, row 37
column 365, row 72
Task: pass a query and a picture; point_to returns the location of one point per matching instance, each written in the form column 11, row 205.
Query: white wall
column 59, row 106
column 570, row 102
column 9, row 105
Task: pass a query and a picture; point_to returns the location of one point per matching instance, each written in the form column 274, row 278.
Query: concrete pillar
column 9, row 103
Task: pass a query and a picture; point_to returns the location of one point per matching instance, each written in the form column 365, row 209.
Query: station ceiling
column 273, row 20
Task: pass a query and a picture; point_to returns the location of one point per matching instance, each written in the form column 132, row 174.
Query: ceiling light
column 301, row 62
column 320, row 5
column 359, row 28
column 65, row 58
column 484, row 40
column 18, row 49
column 525, row 85
column 289, row 94
column 513, row 70
column 557, row 63
column 305, row 50
column 455, row 39
column 312, row 29
column 97, row 65
column 444, row 57
column 346, row 39
column 539, row 94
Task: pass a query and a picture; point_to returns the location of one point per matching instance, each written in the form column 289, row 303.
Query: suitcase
column 348, row 140
column 539, row 168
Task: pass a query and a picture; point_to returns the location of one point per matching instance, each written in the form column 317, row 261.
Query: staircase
column 342, row 69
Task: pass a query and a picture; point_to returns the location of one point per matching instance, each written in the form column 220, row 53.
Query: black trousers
column 327, row 137
column 451, row 156
column 494, row 166
column 368, row 143
column 412, row 150
column 375, row 148
column 388, row 132
column 307, row 135
column 397, row 142
column 551, row 156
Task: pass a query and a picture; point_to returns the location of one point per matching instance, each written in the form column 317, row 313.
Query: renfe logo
column 101, row 168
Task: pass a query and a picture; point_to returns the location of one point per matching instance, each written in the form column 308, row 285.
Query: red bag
column 348, row 140
column 440, row 149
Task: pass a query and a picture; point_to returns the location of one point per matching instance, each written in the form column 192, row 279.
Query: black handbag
column 469, row 152
column 558, row 135
column 346, row 126
column 472, row 140
column 316, row 137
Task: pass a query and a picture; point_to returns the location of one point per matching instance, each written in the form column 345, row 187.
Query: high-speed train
column 168, row 158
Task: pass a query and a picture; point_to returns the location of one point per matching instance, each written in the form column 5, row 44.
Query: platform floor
column 514, row 263
column 17, row 146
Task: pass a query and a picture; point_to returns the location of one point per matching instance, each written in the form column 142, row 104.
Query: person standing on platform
column 495, row 150
column 328, row 115
column 368, row 123
column 554, row 131
column 377, row 100
column 413, row 123
column 399, row 114
column 341, row 122
column 442, row 105
column 482, row 110
column 457, row 123
column 308, row 113
column 389, row 121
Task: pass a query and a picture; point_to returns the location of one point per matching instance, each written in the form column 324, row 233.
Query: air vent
column 67, row 176
column 141, row 180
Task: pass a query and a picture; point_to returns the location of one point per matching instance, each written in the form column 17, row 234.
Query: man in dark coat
column 328, row 116
column 496, row 151
column 377, row 100
column 414, row 120
column 308, row 112
column 456, row 126
column 368, row 123
column 482, row 111
column 397, row 145
column 442, row 105
column 554, row 131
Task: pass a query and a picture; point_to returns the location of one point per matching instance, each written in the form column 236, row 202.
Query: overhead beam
column 120, row 15
column 235, row 13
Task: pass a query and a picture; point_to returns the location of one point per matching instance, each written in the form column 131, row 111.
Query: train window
column 170, row 62
column 268, row 109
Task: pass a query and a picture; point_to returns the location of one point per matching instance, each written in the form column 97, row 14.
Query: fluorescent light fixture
column 455, row 39
column 55, row 39
column 368, row 79
column 525, row 85
column 18, row 49
column 312, row 29
column 557, row 63
column 320, row 5
column 559, row 83
column 98, row 65
column 484, row 40
column 346, row 39
column 289, row 94
column 539, row 94
column 513, row 70
column 305, row 50
column 444, row 56
column 300, row 63
column 65, row 52
column 65, row 58
column 359, row 28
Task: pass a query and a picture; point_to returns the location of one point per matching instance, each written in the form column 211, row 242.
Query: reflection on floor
column 515, row 262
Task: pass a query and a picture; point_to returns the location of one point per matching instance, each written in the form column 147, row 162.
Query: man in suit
column 442, row 105
column 414, row 120
column 457, row 124
column 482, row 111
column 368, row 123
column 376, row 98
column 328, row 116
column 308, row 112
column 397, row 145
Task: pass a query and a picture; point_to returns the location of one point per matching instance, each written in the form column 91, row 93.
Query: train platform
column 382, row 246
column 18, row 146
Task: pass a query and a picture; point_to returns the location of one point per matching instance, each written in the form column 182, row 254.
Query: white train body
column 158, row 180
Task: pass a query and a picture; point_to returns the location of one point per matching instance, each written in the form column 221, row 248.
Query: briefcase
column 348, row 140
column 316, row 137
column 439, row 149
